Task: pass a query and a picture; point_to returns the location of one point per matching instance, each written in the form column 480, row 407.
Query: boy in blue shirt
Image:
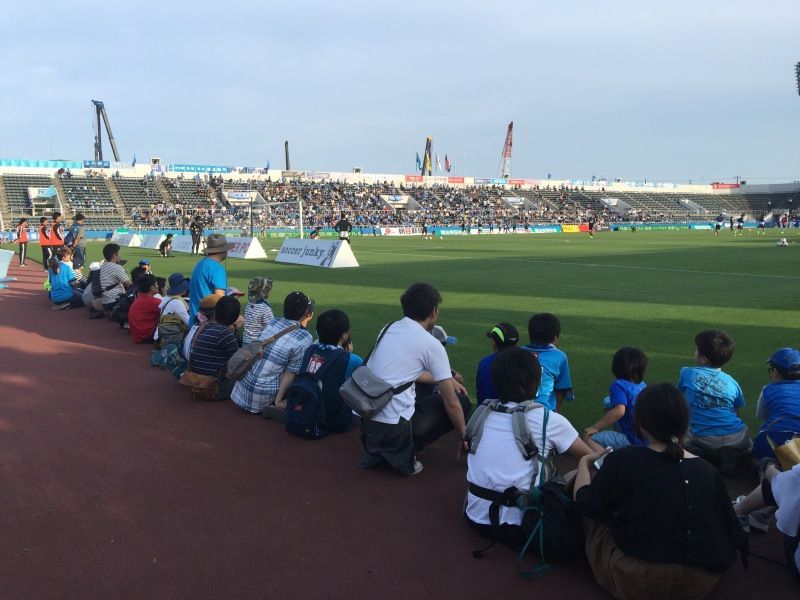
column 544, row 329
column 779, row 403
column 715, row 430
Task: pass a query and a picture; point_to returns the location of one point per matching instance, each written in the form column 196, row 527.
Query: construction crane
column 100, row 109
column 505, row 158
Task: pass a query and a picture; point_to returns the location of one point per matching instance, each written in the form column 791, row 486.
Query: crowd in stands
column 657, row 517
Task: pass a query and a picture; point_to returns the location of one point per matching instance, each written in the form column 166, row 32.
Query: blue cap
column 786, row 359
column 144, row 261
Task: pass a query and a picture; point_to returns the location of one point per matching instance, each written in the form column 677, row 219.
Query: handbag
column 204, row 387
column 366, row 393
column 241, row 362
column 788, row 453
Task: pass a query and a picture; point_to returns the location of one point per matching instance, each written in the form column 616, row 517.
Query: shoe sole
column 274, row 413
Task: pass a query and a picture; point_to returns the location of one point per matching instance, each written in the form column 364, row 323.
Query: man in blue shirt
column 544, row 330
column 779, row 403
column 715, row 430
column 209, row 275
column 502, row 336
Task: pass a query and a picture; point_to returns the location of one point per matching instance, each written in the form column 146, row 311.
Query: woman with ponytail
column 658, row 519
column 63, row 285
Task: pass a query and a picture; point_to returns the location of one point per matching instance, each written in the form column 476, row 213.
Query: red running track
column 116, row 485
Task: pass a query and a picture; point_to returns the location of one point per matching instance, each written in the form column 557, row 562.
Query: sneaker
column 274, row 413
column 96, row 314
column 744, row 521
column 60, row 306
column 727, row 462
column 23, row 265
column 759, row 520
column 417, row 468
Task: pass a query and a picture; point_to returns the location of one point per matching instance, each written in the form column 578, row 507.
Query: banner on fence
column 329, row 254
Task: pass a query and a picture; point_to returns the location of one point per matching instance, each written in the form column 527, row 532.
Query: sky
column 663, row 90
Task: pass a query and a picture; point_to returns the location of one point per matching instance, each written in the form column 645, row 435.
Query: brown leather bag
column 204, row 387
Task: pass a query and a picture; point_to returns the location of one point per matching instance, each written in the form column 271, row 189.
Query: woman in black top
column 659, row 520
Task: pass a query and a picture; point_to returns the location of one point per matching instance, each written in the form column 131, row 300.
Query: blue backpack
column 305, row 405
column 69, row 239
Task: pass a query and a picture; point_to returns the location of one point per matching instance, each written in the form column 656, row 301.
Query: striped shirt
column 111, row 273
column 212, row 349
column 256, row 316
column 258, row 388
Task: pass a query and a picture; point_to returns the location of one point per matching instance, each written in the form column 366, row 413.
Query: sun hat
column 786, row 359
column 259, row 287
column 441, row 335
column 217, row 243
column 232, row 291
column 504, row 334
column 177, row 284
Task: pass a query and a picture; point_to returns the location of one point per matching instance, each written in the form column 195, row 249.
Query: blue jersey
column 780, row 401
column 555, row 374
column 484, row 385
column 208, row 275
column 624, row 392
column 713, row 398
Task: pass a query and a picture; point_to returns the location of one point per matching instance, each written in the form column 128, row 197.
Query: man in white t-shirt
column 408, row 353
column 497, row 463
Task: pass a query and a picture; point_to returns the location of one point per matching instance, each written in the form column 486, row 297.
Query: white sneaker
column 760, row 519
column 417, row 468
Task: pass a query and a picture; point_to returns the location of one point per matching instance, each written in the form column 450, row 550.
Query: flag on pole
column 267, row 167
column 438, row 163
column 447, row 164
column 419, row 162
column 133, row 164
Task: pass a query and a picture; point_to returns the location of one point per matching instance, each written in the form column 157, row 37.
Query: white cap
column 95, row 266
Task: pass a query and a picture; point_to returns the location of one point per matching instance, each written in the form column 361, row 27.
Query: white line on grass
column 592, row 265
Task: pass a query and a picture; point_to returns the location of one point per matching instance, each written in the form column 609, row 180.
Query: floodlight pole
column 300, row 201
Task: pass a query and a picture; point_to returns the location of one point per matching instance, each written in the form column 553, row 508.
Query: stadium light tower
column 797, row 76
column 505, row 158
column 100, row 111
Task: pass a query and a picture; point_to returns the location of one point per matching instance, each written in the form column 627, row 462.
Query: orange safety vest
column 22, row 234
column 56, row 239
column 44, row 236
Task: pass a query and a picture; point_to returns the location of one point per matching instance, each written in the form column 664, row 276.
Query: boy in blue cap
column 779, row 403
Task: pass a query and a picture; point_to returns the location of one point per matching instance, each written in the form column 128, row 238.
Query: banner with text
column 329, row 254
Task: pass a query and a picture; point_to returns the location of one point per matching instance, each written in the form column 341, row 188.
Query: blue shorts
column 611, row 439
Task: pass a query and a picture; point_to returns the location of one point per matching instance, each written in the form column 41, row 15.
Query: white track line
column 588, row 265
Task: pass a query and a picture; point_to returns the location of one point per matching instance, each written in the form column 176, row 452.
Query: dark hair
column 516, row 375
column 22, row 220
column 161, row 282
column 544, row 328
column 109, row 250
column 144, row 282
column 42, row 220
column 419, row 300
column 662, row 411
column 53, row 264
column 80, row 217
column 56, row 215
column 716, row 346
column 136, row 274
column 332, row 325
column 63, row 252
column 227, row 310
column 169, row 235
column 629, row 364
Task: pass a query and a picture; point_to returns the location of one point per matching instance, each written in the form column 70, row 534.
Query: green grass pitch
column 653, row 290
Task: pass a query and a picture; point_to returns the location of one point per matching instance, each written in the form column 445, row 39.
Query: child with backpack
column 258, row 311
column 629, row 366
column 313, row 406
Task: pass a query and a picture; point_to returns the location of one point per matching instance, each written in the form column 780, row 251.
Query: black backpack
column 305, row 405
column 119, row 312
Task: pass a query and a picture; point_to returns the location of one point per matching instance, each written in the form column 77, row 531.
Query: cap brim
column 226, row 248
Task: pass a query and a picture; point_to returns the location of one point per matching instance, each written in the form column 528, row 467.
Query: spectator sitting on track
column 407, row 353
column 716, row 431
column 144, row 312
column 209, row 276
column 629, row 366
column 271, row 375
column 495, row 462
column 204, row 314
column 141, row 269
column 501, row 337
column 215, row 343
column 258, row 312
column 165, row 247
column 777, row 489
column 113, row 279
column 88, row 295
column 333, row 331
column 659, row 522
column 63, row 290
column 544, row 330
column 779, row 403
column 173, row 320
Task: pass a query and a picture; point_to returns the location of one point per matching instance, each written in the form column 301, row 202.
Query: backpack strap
column 378, row 341
column 535, row 503
column 474, row 430
column 197, row 333
column 272, row 339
